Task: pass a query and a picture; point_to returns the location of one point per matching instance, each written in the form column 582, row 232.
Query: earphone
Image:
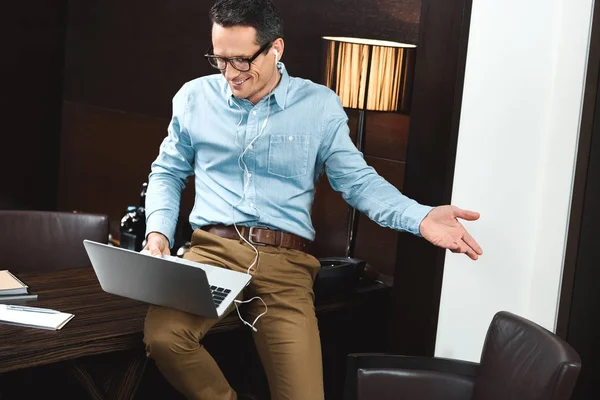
column 247, row 175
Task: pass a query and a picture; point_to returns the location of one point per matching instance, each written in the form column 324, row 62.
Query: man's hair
column 258, row 14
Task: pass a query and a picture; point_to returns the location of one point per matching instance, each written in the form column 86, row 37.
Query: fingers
column 464, row 248
column 154, row 248
column 468, row 239
column 155, row 251
column 466, row 214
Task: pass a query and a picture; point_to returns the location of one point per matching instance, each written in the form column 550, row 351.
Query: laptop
column 195, row 288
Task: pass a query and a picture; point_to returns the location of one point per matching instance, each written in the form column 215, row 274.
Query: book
column 10, row 284
column 34, row 317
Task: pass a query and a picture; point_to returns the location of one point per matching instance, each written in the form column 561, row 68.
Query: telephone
column 338, row 276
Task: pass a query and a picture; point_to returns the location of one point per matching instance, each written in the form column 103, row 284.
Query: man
column 257, row 140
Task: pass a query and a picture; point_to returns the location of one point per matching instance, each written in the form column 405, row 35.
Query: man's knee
column 158, row 343
column 163, row 341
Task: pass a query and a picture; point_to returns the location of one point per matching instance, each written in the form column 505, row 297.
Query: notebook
column 34, row 317
column 10, row 284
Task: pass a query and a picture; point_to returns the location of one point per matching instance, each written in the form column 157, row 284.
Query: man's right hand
column 157, row 244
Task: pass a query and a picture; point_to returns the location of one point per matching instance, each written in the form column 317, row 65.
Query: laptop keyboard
column 219, row 294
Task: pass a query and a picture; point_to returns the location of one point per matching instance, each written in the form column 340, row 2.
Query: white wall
column 516, row 153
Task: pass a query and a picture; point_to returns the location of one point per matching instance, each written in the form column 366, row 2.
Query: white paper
column 42, row 320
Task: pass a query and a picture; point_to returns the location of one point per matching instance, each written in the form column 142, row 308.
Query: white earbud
column 276, row 55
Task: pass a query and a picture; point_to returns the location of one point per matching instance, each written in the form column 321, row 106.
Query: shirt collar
column 279, row 93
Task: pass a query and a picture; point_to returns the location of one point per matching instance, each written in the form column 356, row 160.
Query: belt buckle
column 250, row 234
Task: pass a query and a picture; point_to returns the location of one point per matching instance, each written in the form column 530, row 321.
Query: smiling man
column 257, row 141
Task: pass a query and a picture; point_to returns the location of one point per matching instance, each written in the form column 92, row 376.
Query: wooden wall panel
column 31, row 72
column 134, row 55
column 434, row 122
column 375, row 244
column 386, row 135
column 105, row 158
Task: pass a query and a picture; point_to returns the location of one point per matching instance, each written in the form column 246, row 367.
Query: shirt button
column 250, row 147
column 253, row 112
column 290, row 138
column 249, row 175
column 251, row 204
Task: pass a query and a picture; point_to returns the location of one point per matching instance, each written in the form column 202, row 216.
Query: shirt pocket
column 288, row 155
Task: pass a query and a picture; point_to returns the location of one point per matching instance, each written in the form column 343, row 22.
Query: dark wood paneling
column 105, row 158
column 385, row 149
column 588, row 119
column 31, row 72
column 439, row 79
column 375, row 244
column 584, row 321
column 386, row 135
column 579, row 309
column 330, row 219
column 133, row 56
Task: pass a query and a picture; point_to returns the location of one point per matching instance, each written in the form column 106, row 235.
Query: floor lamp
column 368, row 75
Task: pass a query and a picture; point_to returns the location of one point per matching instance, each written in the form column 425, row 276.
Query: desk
column 103, row 323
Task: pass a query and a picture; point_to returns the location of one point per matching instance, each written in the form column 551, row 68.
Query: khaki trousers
column 287, row 339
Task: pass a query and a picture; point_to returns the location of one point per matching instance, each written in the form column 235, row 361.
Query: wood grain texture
column 434, row 122
column 376, row 244
column 134, row 56
column 386, row 136
column 31, row 76
column 105, row 158
column 103, row 323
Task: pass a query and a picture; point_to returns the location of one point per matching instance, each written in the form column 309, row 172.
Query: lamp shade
column 367, row 74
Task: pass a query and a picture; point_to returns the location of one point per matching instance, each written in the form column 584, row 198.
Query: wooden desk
column 103, row 323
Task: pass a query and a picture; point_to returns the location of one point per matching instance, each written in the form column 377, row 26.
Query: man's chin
column 239, row 94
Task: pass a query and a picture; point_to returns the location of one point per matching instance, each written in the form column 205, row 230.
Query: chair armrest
column 386, row 377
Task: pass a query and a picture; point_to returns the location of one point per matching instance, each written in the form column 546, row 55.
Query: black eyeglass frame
column 230, row 60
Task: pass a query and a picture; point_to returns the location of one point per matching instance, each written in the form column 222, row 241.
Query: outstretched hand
column 441, row 228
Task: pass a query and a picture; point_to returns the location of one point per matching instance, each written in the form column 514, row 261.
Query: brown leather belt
column 259, row 236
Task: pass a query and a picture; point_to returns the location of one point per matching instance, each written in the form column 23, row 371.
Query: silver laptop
column 168, row 281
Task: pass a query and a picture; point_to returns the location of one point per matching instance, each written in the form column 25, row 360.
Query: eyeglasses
column 242, row 64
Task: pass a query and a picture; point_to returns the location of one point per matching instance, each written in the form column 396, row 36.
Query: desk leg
column 83, row 376
column 124, row 384
column 120, row 383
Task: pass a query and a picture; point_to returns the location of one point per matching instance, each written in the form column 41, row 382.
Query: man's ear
column 278, row 47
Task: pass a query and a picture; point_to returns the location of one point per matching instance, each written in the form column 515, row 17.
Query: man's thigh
column 287, row 337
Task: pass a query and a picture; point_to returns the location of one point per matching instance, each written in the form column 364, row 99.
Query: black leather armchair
column 45, row 240
column 520, row 361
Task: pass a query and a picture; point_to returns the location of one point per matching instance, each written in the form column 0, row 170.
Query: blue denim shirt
column 287, row 140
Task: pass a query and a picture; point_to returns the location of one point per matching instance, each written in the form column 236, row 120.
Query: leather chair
column 520, row 361
column 44, row 240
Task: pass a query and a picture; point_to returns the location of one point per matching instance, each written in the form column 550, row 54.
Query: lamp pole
column 360, row 142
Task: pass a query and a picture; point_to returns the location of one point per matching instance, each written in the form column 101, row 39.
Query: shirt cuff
column 161, row 224
column 412, row 217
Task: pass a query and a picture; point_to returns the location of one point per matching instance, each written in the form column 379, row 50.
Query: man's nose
column 229, row 72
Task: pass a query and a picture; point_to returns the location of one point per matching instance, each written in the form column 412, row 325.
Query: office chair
column 45, row 240
column 520, row 361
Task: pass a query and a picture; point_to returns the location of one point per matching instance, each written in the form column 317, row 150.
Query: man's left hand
column 441, row 227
